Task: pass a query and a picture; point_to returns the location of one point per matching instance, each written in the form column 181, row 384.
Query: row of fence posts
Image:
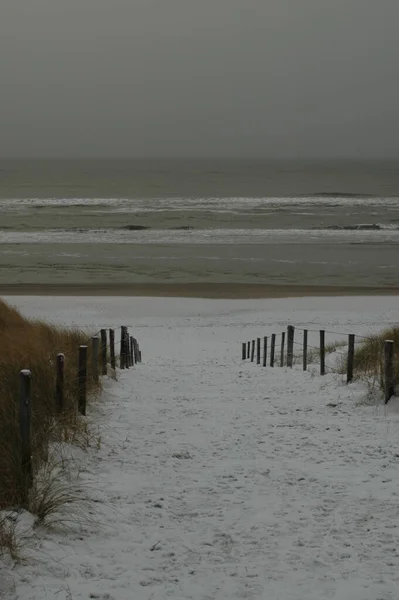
column 130, row 354
column 249, row 348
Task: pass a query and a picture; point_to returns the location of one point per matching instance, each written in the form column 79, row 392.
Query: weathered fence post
column 112, row 348
column 389, row 372
column 282, row 350
column 136, row 351
column 59, row 382
column 248, row 349
column 351, row 357
column 265, row 351
column 95, row 347
column 253, row 351
column 322, row 352
column 25, row 425
column 258, row 351
column 131, row 350
column 127, row 353
column 290, row 345
column 122, row 351
column 127, row 349
column 82, row 377
column 104, row 351
column 127, row 342
column 244, row 351
column 272, row 349
column 305, row 349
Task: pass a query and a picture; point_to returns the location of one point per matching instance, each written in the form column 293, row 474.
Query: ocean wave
column 147, row 227
column 341, row 195
column 200, row 236
column 365, row 227
column 201, row 203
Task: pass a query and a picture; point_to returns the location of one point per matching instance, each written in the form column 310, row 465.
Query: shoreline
column 239, row 291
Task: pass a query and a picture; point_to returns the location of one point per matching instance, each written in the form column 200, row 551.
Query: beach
column 210, row 476
column 199, row 300
column 194, row 290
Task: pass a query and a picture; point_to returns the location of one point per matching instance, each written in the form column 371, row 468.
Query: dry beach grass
column 369, row 355
column 27, row 344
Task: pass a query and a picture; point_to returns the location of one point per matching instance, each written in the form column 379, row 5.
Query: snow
column 219, row 479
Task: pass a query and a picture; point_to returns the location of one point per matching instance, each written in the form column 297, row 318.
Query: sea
column 178, row 221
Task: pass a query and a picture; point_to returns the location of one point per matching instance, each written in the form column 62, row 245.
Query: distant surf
column 364, row 227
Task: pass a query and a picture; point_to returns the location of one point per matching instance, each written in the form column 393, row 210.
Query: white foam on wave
column 200, row 203
column 200, row 236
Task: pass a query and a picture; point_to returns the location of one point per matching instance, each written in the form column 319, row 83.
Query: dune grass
column 27, row 344
column 369, row 356
column 8, row 537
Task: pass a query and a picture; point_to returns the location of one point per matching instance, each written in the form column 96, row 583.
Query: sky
column 199, row 78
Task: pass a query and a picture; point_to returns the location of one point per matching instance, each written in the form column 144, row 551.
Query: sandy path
column 222, row 480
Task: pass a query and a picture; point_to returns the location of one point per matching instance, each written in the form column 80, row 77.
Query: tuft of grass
column 374, row 394
column 333, row 346
column 31, row 344
column 56, row 498
column 8, row 536
column 369, row 356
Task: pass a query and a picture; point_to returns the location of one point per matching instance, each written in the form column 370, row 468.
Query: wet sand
column 194, row 290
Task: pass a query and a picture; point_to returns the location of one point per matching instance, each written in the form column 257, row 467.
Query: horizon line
column 204, row 158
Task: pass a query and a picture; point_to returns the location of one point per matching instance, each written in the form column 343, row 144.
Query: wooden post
column 122, row 352
column 290, row 345
column 248, row 349
column 253, row 351
column 25, row 427
column 136, row 354
column 389, row 383
column 351, row 357
column 139, row 352
column 129, row 358
column 272, row 349
column 305, row 349
column 95, row 347
column 82, row 377
column 264, row 351
column 136, row 351
column 243, row 351
column 322, row 352
column 126, row 345
column 131, row 349
column 103, row 351
column 258, row 351
column 112, row 348
column 59, row 382
column 282, row 350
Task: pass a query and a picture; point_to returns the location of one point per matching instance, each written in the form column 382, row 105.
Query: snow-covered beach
column 219, row 479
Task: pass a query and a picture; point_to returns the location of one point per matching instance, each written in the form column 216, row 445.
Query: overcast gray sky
column 276, row 78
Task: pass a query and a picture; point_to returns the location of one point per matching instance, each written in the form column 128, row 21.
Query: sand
column 194, row 290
